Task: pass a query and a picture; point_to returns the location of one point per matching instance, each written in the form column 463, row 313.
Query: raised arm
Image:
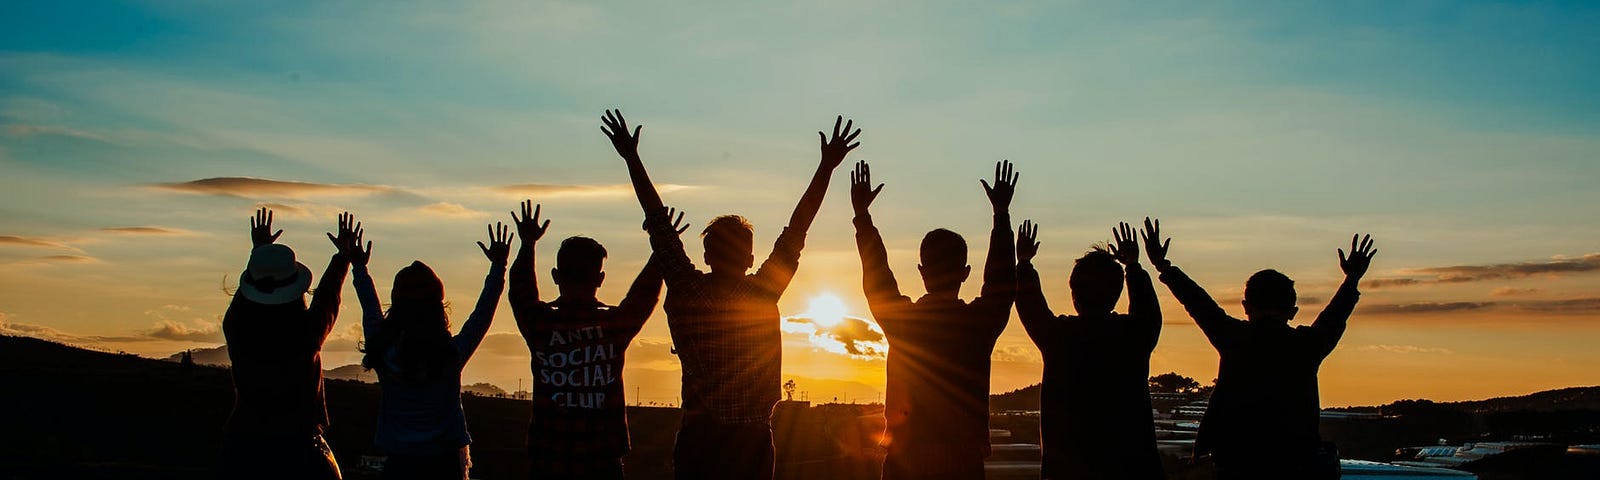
column 1000, row 268
column 524, row 288
column 883, row 292
column 666, row 247
column 477, row 324
column 776, row 272
column 1142, row 303
column 1331, row 322
column 349, row 245
column 834, row 149
column 627, row 145
column 641, row 298
column 674, row 264
column 1215, row 322
column 325, row 301
column 1032, row 308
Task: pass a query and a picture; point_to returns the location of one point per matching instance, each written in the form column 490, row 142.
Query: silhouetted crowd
column 1096, row 414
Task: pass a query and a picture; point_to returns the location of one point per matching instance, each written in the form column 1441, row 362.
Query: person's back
column 1096, row 420
column 937, row 402
column 724, row 323
column 727, row 337
column 274, row 341
column 938, row 372
column 1267, row 389
column 579, row 425
column 1262, row 418
column 276, row 368
column 422, row 428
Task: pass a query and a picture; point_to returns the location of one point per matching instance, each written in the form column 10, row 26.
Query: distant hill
column 217, row 356
column 74, row 413
column 1565, row 399
column 1559, row 400
column 351, row 372
column 1025, row 399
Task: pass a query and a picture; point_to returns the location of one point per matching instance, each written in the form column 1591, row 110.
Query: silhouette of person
column 421, row 426
column 1096, row 421
column 725, row 323
column 1262, row 420
column 937, row 405
column 274, row 343
column 579, row 428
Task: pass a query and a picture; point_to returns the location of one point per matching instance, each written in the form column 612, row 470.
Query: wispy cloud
column 541, row 190
column 148, row 231
column 1589, row 263
column 1561, row 306
column 169, row 330
column 1514, row 292
column 1575, row 305
column 1016, row 353
column 447, row 209
column 251, row 187
column 21, row 241
column 59, row 259
column 7, row 327
column 1403, row 349
column 1423, row 307
column 22, row 130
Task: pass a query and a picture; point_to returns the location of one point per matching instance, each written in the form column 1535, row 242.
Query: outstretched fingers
column 676, row 217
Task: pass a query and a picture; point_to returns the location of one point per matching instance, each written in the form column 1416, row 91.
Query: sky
column 136, row 138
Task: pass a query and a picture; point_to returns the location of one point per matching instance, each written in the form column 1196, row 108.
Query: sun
column 826, row 310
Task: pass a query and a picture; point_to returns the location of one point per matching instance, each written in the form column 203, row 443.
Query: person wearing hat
column 421, row 426
column 274, row 341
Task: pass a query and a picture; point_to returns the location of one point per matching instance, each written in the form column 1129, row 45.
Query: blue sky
column 1458, row 133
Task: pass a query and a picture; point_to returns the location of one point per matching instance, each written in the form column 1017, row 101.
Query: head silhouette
column 729, row 243
column 1269, row 297
column 578, row 267
column 944, row 262
column 1096, row 283
column 415, row 329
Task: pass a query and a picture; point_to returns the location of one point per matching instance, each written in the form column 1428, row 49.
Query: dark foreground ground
column 72, row 413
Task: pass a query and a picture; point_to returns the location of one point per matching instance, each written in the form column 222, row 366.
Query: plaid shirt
column 726, row 333
column 579, row 410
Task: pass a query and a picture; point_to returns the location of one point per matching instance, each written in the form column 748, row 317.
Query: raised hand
column 1153, row 245
column 528, row 225
column 616, row 128
column 834, row 149
column 1005, row 186
column 1360, row 258
column 670, row 215
column 499, row 248
column 677, row 223
column 1126, row 245
column 261, row 229
column 348, row 242
column 1027, row 241
column 861, row 190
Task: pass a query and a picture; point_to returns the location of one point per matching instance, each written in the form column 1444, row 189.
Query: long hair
column 416, row 329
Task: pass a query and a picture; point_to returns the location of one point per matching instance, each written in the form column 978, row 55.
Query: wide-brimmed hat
column 273, row 276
